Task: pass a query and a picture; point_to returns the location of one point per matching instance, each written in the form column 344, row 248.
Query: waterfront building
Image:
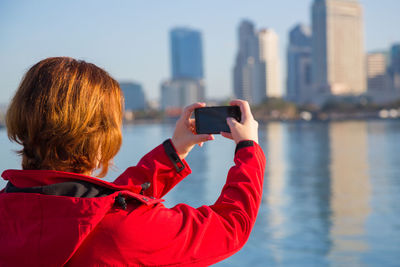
column 134, row 96
column 186, row 85
column 256, row 74
column 376, row 73
column 299, row 59
column 170, row 96
column 178, row 93
column 246, row 70
column 394, row 68
column 270, row 83
column 186, row 54
column 338, row 66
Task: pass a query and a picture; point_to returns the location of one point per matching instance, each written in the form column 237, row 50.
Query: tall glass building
column 394, row 68
column 270, row 85
column 186, row 85
column 256, row 73
column 186, row 54
column 338, row 47
column 246, row 69
column 134, row 96
column 299, row 64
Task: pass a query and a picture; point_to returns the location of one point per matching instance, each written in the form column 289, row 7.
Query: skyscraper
column 338, row 49
column 270, row 66
column 134, row 96
column 256, row 74
column 394, row 68
column 179, row 93
column 379, row 87
column 376, row 72
column 246, row 70
column 186, row 54
column 299, row 64
column 187, row 84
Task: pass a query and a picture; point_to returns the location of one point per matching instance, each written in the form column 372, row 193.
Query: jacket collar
column 31, row 178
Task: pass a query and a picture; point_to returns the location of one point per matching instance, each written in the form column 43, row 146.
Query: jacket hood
column 30, row 178
column 55, row 224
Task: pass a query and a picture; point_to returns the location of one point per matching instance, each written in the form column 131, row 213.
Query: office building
column 299, row 60
column 338, row 66
column 246, row 70
column 186, row 54
column 178, row 93
column 271, row 85
column 186, row 85
column 376, row 72
column 256, row 74
column 134, row 96
column 394, row 68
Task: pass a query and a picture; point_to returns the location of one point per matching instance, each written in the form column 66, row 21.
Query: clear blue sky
column 130, row 38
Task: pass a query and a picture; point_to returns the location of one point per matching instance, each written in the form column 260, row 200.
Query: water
column 331, row 190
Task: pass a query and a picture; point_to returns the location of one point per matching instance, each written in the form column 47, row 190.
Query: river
column 331, row 190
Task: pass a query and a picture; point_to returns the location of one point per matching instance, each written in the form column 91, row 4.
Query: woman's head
column 67, row 115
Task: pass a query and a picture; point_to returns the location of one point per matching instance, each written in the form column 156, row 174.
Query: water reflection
column 383, row 224
column 350, row 191
column 317, row 197
column 275, row 198
column 309, row 187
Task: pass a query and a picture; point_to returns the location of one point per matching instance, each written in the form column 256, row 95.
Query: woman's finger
column 187, row 112
column 244, row 108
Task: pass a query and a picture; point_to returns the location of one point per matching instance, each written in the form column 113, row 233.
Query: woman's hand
column 247, row 128
column 185, row 137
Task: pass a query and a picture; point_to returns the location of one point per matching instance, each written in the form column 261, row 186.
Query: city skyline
column 125, row 41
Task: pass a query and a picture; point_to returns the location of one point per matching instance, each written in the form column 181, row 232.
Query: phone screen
column 212, row 120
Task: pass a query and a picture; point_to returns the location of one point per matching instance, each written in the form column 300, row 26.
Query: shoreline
column 335, row 117
column 266, row 121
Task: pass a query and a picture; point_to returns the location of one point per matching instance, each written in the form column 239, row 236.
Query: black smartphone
column 212, row 120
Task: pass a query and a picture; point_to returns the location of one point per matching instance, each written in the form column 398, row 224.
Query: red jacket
column 126, row 224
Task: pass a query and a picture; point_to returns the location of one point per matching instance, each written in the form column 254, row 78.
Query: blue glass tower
column 395, row 58
column 186, row 54
column 299, row 61
column 134, row 96
column 394, row 68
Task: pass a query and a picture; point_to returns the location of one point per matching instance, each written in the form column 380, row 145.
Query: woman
column 67, row 115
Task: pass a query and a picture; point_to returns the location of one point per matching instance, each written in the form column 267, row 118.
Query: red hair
column 67, row 115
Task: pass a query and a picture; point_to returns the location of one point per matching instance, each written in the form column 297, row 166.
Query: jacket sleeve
column 199, row 237
column 158, row 171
